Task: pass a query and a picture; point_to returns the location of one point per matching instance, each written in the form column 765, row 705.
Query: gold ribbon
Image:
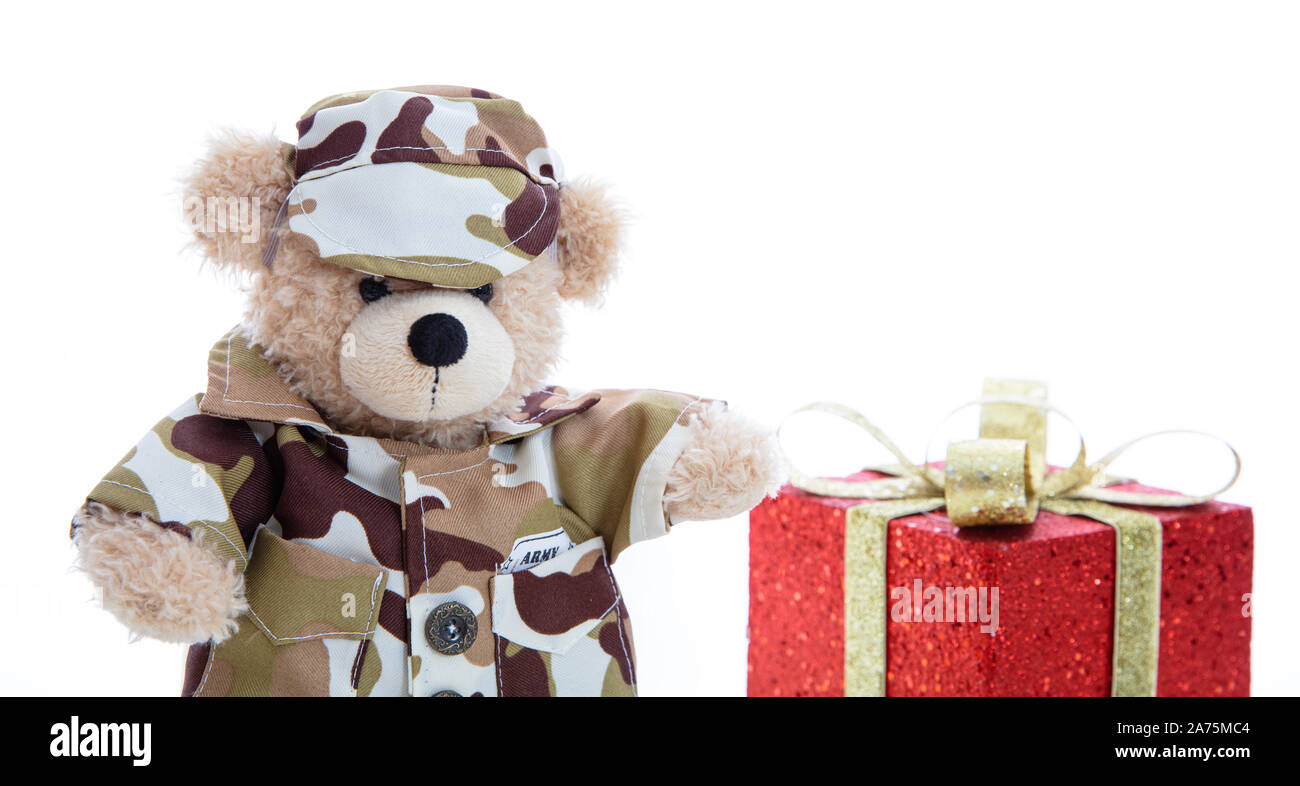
column 1001, row 478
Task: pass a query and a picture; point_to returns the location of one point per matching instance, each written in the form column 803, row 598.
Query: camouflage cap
column 449, row 185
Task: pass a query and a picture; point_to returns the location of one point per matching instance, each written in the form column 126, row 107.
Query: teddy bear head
column 406, row 260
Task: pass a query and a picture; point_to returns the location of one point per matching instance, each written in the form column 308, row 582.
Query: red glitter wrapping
column 1055, row 603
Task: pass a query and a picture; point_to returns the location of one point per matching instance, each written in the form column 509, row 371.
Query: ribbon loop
column 1096, row 490
column 989, row 481
column 913, row 481
column 1003, row 418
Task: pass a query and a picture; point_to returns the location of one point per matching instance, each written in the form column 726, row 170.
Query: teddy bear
column 379, row 492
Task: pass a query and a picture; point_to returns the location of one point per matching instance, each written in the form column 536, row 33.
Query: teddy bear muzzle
column 429, row 355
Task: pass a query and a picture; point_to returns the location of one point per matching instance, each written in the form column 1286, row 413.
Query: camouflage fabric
column 354, row 546
column 448, row 185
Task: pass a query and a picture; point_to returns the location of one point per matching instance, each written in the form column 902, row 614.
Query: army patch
column 535, row 549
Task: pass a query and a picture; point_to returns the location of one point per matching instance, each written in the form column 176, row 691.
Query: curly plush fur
column 590, row 233
column 238, row 166
column 729, row 465
column 156, row 581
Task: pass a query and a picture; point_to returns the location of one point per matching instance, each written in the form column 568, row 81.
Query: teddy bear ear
column 591, row 228
column 233, row 194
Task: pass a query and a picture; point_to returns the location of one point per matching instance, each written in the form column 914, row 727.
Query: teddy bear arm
column 729, row 464
column 158, row 582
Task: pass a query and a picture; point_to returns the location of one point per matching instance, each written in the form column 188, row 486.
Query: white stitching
column 238, row 550
column 207, row 668
column 225, row 393
column 423, row 125
column 125, row 486
column 343, row 439
column 545, row 203
column 356, row 666
column 374, row 593
column 366, row 636
column 410, row 594
column 686, row 408
column 359, row 636
column 424, row 547
column 326, row 164
column 353, row 680
column 618, row 620
column 452, row 472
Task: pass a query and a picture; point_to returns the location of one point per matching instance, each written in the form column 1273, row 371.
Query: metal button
column 451, row 628
column 453, row 694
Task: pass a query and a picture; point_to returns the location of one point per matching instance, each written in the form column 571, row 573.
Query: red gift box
column 1055, row 581
column 994, row 575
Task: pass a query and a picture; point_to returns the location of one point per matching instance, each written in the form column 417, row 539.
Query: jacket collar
column 242, row 385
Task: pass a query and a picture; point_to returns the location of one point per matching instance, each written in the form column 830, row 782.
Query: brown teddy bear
column 378, row 493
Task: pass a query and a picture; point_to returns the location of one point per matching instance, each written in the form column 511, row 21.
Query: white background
column 874, row 203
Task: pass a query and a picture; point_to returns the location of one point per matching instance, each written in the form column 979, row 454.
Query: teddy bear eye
column 373, row 289
column 483, row 293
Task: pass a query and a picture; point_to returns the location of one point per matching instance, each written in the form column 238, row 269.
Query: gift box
column 879, row 592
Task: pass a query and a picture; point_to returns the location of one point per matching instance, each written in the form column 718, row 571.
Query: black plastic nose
column 438, row 340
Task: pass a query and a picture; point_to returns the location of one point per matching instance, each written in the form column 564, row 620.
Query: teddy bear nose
column 438, row 339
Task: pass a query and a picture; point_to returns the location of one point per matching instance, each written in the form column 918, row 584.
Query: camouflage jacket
column 378, row 567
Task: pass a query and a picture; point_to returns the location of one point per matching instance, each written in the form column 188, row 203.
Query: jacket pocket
column 311, row 616
column 560, row 627
column 297, row 592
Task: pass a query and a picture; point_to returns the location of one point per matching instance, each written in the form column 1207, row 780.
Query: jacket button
column 453, row 694
column 451, row 628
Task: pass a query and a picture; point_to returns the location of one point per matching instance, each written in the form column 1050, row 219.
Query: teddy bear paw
column 729, row 464
column 156, row 581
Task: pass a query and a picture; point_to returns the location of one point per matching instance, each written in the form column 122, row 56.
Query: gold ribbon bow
column 1001, row 478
